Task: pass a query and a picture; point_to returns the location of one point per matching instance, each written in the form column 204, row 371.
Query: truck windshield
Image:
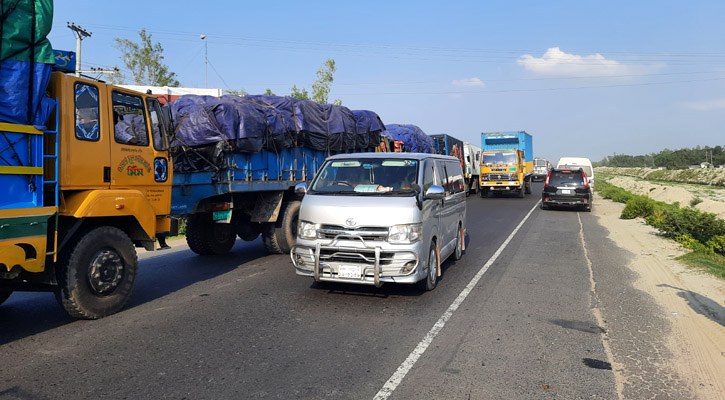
column 499, row 158
column 372, row 176
column 539, row 163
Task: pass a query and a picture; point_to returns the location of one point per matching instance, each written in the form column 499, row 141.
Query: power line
column 398, row 47
column 531, row 90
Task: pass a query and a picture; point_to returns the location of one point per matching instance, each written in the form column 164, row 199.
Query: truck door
column 85, row 156
column 139, row 155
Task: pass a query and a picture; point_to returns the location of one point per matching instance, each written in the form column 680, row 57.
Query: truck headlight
column 404, row 234
column 307, row 230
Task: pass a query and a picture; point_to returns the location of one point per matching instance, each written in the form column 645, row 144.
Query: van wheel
column 4, row 294
column 205, row 237
column 95, row 277
column 429, row 282
column 458, row 252
column 279, row 237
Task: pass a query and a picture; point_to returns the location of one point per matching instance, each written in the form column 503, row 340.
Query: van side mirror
column 301, row 188
column 435, row 192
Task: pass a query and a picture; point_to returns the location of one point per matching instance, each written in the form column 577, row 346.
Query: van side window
column 428, row 176
column 455, row 178
column 86, row 108
column 442, row 176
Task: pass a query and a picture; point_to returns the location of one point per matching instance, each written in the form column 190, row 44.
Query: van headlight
column 404, row 234
column 307, row 230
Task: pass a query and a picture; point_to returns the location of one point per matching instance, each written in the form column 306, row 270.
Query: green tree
column 321, row 86
column 240, row 92
column 269, row 92
column 145, row 61
column 299, row 93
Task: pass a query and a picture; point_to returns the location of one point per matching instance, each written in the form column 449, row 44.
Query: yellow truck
column 507, row 163
column 79, row 197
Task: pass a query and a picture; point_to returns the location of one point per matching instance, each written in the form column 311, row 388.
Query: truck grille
column 501, row 177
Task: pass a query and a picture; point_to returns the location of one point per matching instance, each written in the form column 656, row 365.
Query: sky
column 585, row 78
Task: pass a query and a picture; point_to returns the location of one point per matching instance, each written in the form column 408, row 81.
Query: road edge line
column 397, row 377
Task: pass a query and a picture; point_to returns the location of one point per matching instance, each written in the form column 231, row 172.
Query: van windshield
column 371, row 176
column 499, row 158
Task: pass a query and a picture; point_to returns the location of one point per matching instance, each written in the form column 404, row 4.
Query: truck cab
column 102, row 187
column 506, row 163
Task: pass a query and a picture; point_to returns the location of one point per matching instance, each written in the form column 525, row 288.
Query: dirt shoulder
column 692, row 301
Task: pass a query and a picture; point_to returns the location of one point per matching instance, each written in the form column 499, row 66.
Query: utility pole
column 206, row 63
column 80, row 34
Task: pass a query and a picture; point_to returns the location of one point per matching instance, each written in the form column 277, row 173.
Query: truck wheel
column 205, row 237
column 483, row 193
column 474, row 187
column 195, row 235
column 279, row 237
column 431, row 277
column 4, row 294
column 521, row 192
column 527, row 185
column 96, row 276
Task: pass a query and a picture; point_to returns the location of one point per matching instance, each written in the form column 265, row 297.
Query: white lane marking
column 413, row 357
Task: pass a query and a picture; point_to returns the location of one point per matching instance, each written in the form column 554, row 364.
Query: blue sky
column 585, row 78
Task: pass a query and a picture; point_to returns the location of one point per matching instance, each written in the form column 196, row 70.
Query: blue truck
column 238, row 159
column 507, row 163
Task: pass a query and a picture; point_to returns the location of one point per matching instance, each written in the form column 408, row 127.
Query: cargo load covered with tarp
column 207, row 127
column 416, row 141
column 26, row 59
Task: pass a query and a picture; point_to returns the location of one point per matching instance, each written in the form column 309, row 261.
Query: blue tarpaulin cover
column 416, row 141
column 254, row 122
column 26, row 59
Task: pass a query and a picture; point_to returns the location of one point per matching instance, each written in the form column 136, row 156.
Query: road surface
column 531, row 311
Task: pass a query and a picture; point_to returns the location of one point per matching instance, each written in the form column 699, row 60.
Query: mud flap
column 438, row 256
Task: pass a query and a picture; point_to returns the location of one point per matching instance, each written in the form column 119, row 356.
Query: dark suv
column 567, row 187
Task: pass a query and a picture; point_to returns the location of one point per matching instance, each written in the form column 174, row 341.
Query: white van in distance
column 370, row 218
column 576, row 163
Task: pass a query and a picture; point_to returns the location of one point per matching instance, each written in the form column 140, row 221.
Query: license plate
column 565, row 191
column 349, row 271
column 221, row 215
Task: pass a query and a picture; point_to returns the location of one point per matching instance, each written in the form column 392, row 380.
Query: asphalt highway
column 533, row 325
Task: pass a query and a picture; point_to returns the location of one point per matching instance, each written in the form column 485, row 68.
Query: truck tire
column 483, row 193
column 280, row 236
column 4, row 294
column 527, row 185
column 96, row 276
column 205, row 237
column 522, row 191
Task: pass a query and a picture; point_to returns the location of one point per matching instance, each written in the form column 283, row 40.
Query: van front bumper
column 370, row 263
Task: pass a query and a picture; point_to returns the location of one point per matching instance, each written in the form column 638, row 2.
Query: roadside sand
column 713, row 202
column 693, row 302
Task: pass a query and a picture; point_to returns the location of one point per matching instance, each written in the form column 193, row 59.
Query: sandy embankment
column 692, row 301
column 713, row 202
